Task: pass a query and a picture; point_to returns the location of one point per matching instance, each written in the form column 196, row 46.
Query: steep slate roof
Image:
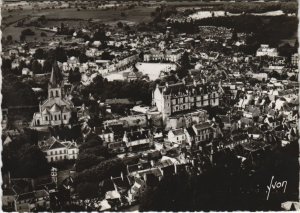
column 204, row 125
column 178, row 131
column 57, row 145
column 56, row 75
column 137, row 135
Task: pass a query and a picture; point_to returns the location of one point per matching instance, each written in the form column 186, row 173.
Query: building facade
column 265, row 50
column 181, row 97
column 56, row 150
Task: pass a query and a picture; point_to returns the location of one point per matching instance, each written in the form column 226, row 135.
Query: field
column 110, row 16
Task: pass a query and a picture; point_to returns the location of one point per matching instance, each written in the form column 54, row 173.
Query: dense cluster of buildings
column 234, row 101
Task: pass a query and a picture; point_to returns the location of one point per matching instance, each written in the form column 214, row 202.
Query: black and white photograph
column 149, row 105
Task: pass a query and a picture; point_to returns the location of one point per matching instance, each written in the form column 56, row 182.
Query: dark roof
column 204, row 125
column 191, row 131
column 138, row 167
column 56, row 145
column 178, row 131
column 169, row 170
column 56, row 75
column 239, row 137
column 121, row 183
column 137, row 135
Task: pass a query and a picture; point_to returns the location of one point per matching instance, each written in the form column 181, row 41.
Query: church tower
column 55, row 85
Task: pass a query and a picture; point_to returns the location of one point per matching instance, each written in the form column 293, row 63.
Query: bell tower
column 55, row 85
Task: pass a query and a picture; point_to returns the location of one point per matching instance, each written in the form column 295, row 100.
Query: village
column 97, row 117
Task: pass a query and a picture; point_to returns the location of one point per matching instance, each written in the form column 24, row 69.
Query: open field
column 137, row 14
column 111, row 16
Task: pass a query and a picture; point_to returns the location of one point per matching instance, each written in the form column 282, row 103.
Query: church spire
column 56, row 76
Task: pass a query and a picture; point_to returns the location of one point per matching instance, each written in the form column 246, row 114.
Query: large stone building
column 266, row 50
column 56, row 109
column 182, row 97
column 58, row 150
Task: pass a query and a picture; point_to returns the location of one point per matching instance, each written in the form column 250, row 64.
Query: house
column 30, row 201
column 132, row 75
column 106, row 134
column 204, row 132
column 177, row 136
column 295, row 59
column 26, row 71
column 271, row 122
column 55, row 110
column 138, row 139
column 9, row 199
column 251, row 112
column 57, row 150
column 137, row 189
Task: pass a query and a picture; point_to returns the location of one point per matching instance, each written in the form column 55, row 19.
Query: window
column 55, row 117
column 65, row 151
column 60, row 158
column 51, row 94
column 58, row 117
column 65, row 117
column 60, row 152
column 56, row 152
column 51, row 159
column 56, row 93
column 46, row 118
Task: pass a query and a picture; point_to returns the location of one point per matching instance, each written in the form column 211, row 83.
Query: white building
column 265, row 50
column 180, row 97
column 177, row 136
column 57, row 150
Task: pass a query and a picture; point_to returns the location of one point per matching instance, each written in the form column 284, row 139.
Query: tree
column 60, row 54
column 184, row 65
column 27, row 32
column 83, row 58
column 87, row 189
column 74, row 76
column 23, row 158
column 47, row 66
column 120, row 24
column 36, row 67
column 39, row 54
column 234, row 35
column 9, row 38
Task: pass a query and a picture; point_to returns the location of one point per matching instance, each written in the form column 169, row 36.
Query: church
column 56, row 109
